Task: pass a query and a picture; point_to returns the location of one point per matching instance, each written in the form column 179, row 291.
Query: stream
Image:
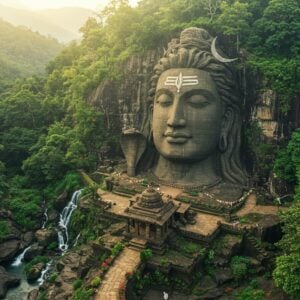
column 17, row 266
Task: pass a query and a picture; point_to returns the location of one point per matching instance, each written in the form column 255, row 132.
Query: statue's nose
column 176, row 115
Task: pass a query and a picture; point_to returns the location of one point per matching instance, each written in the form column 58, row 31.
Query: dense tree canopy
column 23, row 52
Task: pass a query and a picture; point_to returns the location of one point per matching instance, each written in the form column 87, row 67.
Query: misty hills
column 24, row 52
column 62, row 24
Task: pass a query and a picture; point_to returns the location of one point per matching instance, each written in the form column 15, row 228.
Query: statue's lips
column 177, row 137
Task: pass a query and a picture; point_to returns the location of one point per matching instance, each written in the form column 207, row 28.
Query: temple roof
column 150, row 198
column 149, row 207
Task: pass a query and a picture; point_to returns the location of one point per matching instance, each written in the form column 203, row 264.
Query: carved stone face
column 187, row 115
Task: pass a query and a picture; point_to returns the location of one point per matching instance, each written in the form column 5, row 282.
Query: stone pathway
column 251, row 207
column 205, row 224
column 128, row 261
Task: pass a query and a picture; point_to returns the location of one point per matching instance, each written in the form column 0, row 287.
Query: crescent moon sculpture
column 217, row 55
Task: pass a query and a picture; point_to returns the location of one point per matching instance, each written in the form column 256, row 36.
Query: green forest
column 48, row 131
column 24, row 53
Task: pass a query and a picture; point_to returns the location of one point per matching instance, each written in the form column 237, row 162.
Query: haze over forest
column 61, row 23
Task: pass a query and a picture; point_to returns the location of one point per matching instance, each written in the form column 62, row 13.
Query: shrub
column 52, row 277
column 36, row 260
column 145, row 255
column 4, row 230
column 83, row 294
column 52, row 246
column 77, row 284
column 96, row 282
column 117, row 249
column 239, row 267
column 250, row 293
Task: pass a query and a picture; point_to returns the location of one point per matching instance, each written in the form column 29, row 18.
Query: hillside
column 62, row 24
column 24, row 52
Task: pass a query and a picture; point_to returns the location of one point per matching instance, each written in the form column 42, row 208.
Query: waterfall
column 44, row 273
column 65, row 216
column 45, row 218
column 19, row 259
column 76, row 240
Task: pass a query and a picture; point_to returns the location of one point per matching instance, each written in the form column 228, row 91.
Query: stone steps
column 137, row 244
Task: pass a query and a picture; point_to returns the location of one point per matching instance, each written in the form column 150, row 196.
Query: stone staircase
column 138, row 244
column 261, row 254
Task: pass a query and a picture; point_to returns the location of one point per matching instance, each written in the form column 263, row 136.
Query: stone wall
column 123, row 101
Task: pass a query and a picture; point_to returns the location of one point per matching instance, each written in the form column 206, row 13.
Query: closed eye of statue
column 197, row 101
column 164, row 100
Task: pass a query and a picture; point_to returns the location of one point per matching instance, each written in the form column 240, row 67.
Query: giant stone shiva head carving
column 194, row 120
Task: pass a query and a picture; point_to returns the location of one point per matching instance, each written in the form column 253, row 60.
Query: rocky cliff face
column 265, row 112
column 123, row 101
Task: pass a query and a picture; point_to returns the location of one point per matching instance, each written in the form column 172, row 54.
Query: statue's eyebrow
column 208, row 94
column 163, row 91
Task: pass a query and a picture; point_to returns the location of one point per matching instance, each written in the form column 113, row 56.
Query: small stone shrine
column 149, row 218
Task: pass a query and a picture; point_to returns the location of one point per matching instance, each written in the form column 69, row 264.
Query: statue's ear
column 226, row 126
column 150, row 114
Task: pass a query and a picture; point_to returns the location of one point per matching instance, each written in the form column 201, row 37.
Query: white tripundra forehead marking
column 181, row 80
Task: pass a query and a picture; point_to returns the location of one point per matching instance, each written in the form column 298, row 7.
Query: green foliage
column 24, row 204
column 83, row 294
column 52, row 246
column 42, row 295
column 146, row 255
column 239, row 266
column 234, row 19
column 96, row 282
column 288, row 160
column 4, row 230
column 52, row 277
column 77, row 284
column 36, row 260
column 282, row 75
column 23, row 52
column 250, row 293
column 277, row 31
column 261, row 153
column 117, row 249
column 189, row 248
column 286, row 274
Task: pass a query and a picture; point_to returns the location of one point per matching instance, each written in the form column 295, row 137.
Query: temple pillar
column 158, row 232
column 128, row 226
column 137, row 228
column 147, row 231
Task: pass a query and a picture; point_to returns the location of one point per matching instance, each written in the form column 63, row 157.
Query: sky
column 42, row 4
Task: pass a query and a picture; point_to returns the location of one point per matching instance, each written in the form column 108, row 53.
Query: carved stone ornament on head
column 193, row 126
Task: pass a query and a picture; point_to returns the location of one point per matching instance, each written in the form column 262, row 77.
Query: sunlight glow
column 43, row 4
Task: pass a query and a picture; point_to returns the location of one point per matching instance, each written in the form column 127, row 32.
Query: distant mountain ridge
column 62, row 24
column 23, row 52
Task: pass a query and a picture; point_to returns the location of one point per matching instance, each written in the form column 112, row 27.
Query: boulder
column 45, row 236
column 35, row 271
column 211, row 294
column 7, row 281
column 223, row 275
column 232, row 246
column 32, row 252
column 53, row 216
column 8, row 249
column 27, row 239
column 33, row 295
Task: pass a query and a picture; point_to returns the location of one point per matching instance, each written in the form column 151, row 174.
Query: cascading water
column 45, row 218
column 65, row 216
column 76, row 240
column 44, row 273
column 19, row 259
